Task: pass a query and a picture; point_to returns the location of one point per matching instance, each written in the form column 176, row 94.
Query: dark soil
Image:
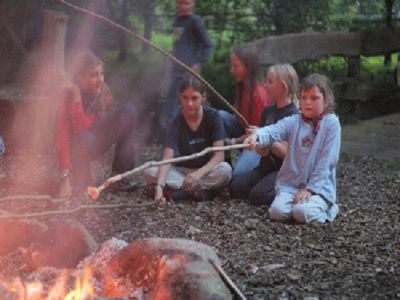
column 355, row 257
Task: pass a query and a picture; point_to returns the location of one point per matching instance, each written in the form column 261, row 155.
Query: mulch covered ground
column 355, row 257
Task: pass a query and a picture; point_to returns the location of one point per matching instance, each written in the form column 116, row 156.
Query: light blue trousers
column 315, row 209
column 217, row 178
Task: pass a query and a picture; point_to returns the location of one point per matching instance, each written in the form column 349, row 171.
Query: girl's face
column 192, row 101
column 184, row 7
column 238, row 69
column 312, row 102
column 92, row 80
column 276, row 89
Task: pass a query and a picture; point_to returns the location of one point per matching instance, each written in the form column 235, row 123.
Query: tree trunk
column 148, row 28
column 122, row 38
column 353, row 66
column 389, row 25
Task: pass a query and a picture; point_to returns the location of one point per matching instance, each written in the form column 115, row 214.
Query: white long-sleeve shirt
column 311, row 159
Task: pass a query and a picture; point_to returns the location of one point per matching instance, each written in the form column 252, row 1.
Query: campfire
column 60, row 263
column 37, row 290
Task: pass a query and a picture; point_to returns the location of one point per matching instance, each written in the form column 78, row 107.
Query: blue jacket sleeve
column 204, row 40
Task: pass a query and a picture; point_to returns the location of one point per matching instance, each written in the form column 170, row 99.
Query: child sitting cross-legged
column 194, row 129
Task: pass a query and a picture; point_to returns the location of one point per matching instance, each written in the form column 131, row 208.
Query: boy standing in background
column 192, row 46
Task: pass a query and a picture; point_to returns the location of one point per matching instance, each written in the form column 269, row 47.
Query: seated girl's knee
column 237, row 189
column 304, row 213
column 224, row 114
column 150, row 174
column 277, row 213
column 300, row 213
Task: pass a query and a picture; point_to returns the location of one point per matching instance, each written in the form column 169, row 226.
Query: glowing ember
column 93, row 192
column 36, row 290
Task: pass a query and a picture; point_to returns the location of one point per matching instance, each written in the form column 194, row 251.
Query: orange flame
column 36, row 291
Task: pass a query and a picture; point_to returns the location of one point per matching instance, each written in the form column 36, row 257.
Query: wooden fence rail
column 291, row 48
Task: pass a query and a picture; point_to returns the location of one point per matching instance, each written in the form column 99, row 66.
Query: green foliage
column 373, row 67
column 335, row 67
column 391, row 166
column 219, row 76
column 163, row 41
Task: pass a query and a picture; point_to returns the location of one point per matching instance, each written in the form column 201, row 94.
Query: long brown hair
column 247, row 54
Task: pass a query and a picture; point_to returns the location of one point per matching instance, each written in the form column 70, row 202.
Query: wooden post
column 353, row 66
column 53, row 46
column 398, row 71
column 41, row 100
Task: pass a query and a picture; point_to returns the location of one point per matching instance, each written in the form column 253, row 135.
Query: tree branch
column 8, row 214
column 94, row 192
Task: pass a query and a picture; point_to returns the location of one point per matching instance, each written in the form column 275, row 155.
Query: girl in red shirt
column 251, row 98
column 88, row 127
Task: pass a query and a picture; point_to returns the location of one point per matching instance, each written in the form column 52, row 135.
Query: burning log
column 94, row 192
column 158, row 269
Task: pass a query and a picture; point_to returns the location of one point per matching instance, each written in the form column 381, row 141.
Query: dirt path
column 378, row 137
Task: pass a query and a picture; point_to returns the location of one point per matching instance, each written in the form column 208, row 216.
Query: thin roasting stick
column 94, row 192
column 227, row 280
column 31, row 197
column 166, row 53
column 7, row 214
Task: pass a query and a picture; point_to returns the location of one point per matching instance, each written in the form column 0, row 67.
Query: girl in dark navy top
column 194, row 129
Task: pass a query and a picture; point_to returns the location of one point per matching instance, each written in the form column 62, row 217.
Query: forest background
column 133, row 69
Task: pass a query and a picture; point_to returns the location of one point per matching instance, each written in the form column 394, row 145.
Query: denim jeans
column 231, row 125
column 117, row 127
column 249, row 159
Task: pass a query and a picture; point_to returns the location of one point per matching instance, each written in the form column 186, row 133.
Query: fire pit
column 160, row 269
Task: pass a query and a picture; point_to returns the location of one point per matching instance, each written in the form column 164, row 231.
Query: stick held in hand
column 94, row 192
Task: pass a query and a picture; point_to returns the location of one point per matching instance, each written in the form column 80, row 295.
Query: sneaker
column 167, row 192
column 181, row 195
column 207, row 195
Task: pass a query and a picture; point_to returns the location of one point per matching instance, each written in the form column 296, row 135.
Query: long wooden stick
column 7, row 214
column 166, row 53
column 94, row 192
column 32, row 197
column 227, row 280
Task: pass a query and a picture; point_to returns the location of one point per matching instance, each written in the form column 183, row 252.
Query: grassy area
column 391, row 165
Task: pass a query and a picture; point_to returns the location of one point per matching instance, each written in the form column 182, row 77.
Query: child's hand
column 229, row 141
column 158, row 194
column 264, row 151
column 301, row 196
column 251, row 140
column 65, row 190
column 251, row 129
column 190, row 180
